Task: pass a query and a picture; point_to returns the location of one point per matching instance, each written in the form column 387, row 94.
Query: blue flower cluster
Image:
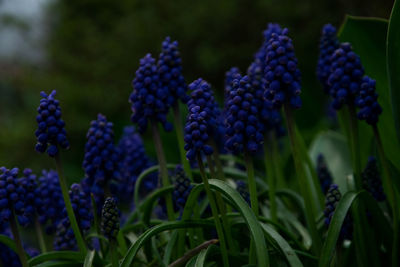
column 367, row 101
column 12, row 194
column 33, row 205
column 101, row 161
column 51, row 132
column 262, row 52
column 110, row 218
column 133, row 161
column 324, row 175
column 372, row 180
column 182, row 188
column 196, row 133
column 243, row 128
column 345, row 76
column 333, row 197
column 52, row 200
column 281, row 73
column 327, row 45
column 242, row 189
column 169, row 67
column 150, row 101
column 65, row 238
column 230, row 75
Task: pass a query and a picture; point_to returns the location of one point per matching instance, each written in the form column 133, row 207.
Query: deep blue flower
column 65, row 238
column 52, row 200
column 182, row 188
column 51, row 132
column 282, row 75
column 133, row 161
column 345, row 76
column 372, row 180
column 33, row 205
column 262, row 52
column 327, row 45
column 243, row 128
column 333, row 197
column 230, row 75
column 110, row 218
column 242, row 189
column 12, row 194
column 324, row 175
column 101, row 160
column 150, row 101
column 169, row 68
column 367, row 102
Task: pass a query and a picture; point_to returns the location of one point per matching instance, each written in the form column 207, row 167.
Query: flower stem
column 222, row 208
column 40, row 236
column 252, row 182
column 17, row 239
column 181, row 144
column 393, row 198
column 217, row 160
column 214, row 211
column 163, row 168
column 303, row 181
column 355, row 147
column 68, row 206
column 114, row 253
column 270, row 175
column 96, row 223
column 276, row 161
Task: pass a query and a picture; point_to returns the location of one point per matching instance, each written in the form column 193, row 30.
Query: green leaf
column 201, row 258
column 149, row 203
column 368, row 38
column 170, row 247
column 285, row 248
column 10, row 243
column 59, row 264
column 89, row 258
column 249, row 217
column 393, row 62
column 72, row 256
column 147, row 235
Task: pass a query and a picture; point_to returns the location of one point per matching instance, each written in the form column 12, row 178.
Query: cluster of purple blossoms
column 182, row 188
column 324, row 175
column 12, row 195
column 281, row 73
column 372, row 181
column 110, row 218
column 150, row 101
column 50, row 133
column 230, row 75
column 367, row 102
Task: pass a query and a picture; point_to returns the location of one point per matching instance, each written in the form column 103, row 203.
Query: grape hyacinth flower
column 230, row 75
column 281, row 72
column 182, row 188
column 327, row 45
column 52, row 200
column 333, row 197
column 243, row 128
column 367, row 101
column 33, row 205
column 51, row 132
column 242, row 189
column 324, row 175
column 372, row 180
column 345, row 77
column 12, row 194
column 150, row 101
column 272, row 28
column 169, row 68
column 110, row 218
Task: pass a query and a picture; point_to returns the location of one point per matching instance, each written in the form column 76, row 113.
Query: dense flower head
column 242, row 189
column 51, row 132
column 169, row 67
column 196, row 133
column 372, row 180
column 282, row 75
column 333, row 197
column 11, row 194
column 101, row 161
column 345, row 76
column 133, row 161
column 33, row 205
column 327, row 45
column 367, row 101
column 262, row 52
column 64, row 238
column 324, row 175
column 52, row 200
column 182, row 188
column 110, row 218
column 230, row 75
column 243, row 128
column 150, row 101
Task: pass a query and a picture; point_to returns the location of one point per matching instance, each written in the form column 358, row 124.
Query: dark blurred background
column 89, row 50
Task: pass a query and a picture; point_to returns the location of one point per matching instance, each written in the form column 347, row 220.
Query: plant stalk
column 114, row 253
column 17, row 239
column 217, row 160
column 68, row 206
column 214, row 211
column 163, row 168
column 270, row 177
column 40, row 235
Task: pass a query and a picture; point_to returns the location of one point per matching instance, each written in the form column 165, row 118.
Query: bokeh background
column 89, row 50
